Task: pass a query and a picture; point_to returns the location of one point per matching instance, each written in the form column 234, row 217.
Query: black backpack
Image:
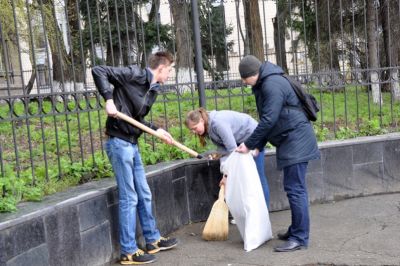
column 308, row 101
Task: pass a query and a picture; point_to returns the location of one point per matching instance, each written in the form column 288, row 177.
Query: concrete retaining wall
column 79, row 226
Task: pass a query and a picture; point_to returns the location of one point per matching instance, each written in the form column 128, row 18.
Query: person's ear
column 159, row 69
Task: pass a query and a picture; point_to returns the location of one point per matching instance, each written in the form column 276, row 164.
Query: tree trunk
column 77, row 62
column 253, row 28
column 279, row 42
column 60, row 62
column 390, row 22
column 28, row 88
column 155, row 7
column 221, row 56
column 373, row 51
column 113, row 54
column 246, row 49
column 279, row 24
column 183, row 42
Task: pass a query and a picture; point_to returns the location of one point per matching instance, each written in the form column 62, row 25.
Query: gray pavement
column 359, row 231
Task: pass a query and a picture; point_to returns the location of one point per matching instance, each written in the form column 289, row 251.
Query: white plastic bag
column 245, row 199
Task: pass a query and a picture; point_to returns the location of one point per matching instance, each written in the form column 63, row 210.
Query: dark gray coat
column 285, row 127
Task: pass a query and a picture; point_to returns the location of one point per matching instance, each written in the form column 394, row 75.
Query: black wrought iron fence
column 345, row 52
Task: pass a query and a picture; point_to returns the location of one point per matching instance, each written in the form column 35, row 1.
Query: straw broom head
column 217, row 226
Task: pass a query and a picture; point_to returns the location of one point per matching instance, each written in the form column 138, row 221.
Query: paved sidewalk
column 360, row 231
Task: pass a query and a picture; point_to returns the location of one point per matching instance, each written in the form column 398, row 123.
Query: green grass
column 353, row 111
column 43, row 155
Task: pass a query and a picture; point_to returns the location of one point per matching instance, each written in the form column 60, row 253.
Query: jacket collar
column 150, row 76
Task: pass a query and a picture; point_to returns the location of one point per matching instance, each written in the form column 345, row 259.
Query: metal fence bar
column 5, row 56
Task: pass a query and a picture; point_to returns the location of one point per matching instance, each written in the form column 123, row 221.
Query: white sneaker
column 233, row 221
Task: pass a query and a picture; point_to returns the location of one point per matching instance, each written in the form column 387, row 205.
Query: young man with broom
column 284, row 125
column 135, row 91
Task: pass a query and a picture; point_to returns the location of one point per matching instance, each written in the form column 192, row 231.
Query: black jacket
column 288, row 129
column 133, row 95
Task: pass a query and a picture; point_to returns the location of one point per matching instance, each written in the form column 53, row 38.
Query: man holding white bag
column 289, row 130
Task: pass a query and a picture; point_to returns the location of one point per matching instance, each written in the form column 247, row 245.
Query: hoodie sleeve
column 104, row 76
column 272, row 102
column 224, row 131
column 149, row 124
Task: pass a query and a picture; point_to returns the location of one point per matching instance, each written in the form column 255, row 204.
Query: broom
column 217, row 225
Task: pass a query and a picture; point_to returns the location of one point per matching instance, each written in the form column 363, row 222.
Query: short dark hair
column 160, row 58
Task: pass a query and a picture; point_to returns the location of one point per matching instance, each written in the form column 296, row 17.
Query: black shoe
column 139, row 257
column 288, row 246
column 164, row 243
column 283, row 236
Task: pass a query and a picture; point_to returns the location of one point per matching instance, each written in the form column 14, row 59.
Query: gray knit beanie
column 249, row 66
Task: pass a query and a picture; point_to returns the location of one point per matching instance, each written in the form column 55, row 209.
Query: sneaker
column 139, row 257
column 164, row 243
column 233, row 221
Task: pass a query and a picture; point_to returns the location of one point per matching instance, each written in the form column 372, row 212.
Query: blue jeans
column 134, row 194
column 294, row 182
column 259, row 159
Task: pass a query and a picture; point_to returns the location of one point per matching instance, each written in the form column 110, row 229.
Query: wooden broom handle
column 145, row 128
column 221, row 194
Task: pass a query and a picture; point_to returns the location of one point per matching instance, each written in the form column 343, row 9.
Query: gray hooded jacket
column 227, row 129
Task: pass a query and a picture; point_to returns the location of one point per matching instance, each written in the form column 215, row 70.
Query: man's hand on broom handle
column 167, row 138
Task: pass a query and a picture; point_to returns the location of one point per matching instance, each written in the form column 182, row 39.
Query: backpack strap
column 294, row 107
column 292, row 84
